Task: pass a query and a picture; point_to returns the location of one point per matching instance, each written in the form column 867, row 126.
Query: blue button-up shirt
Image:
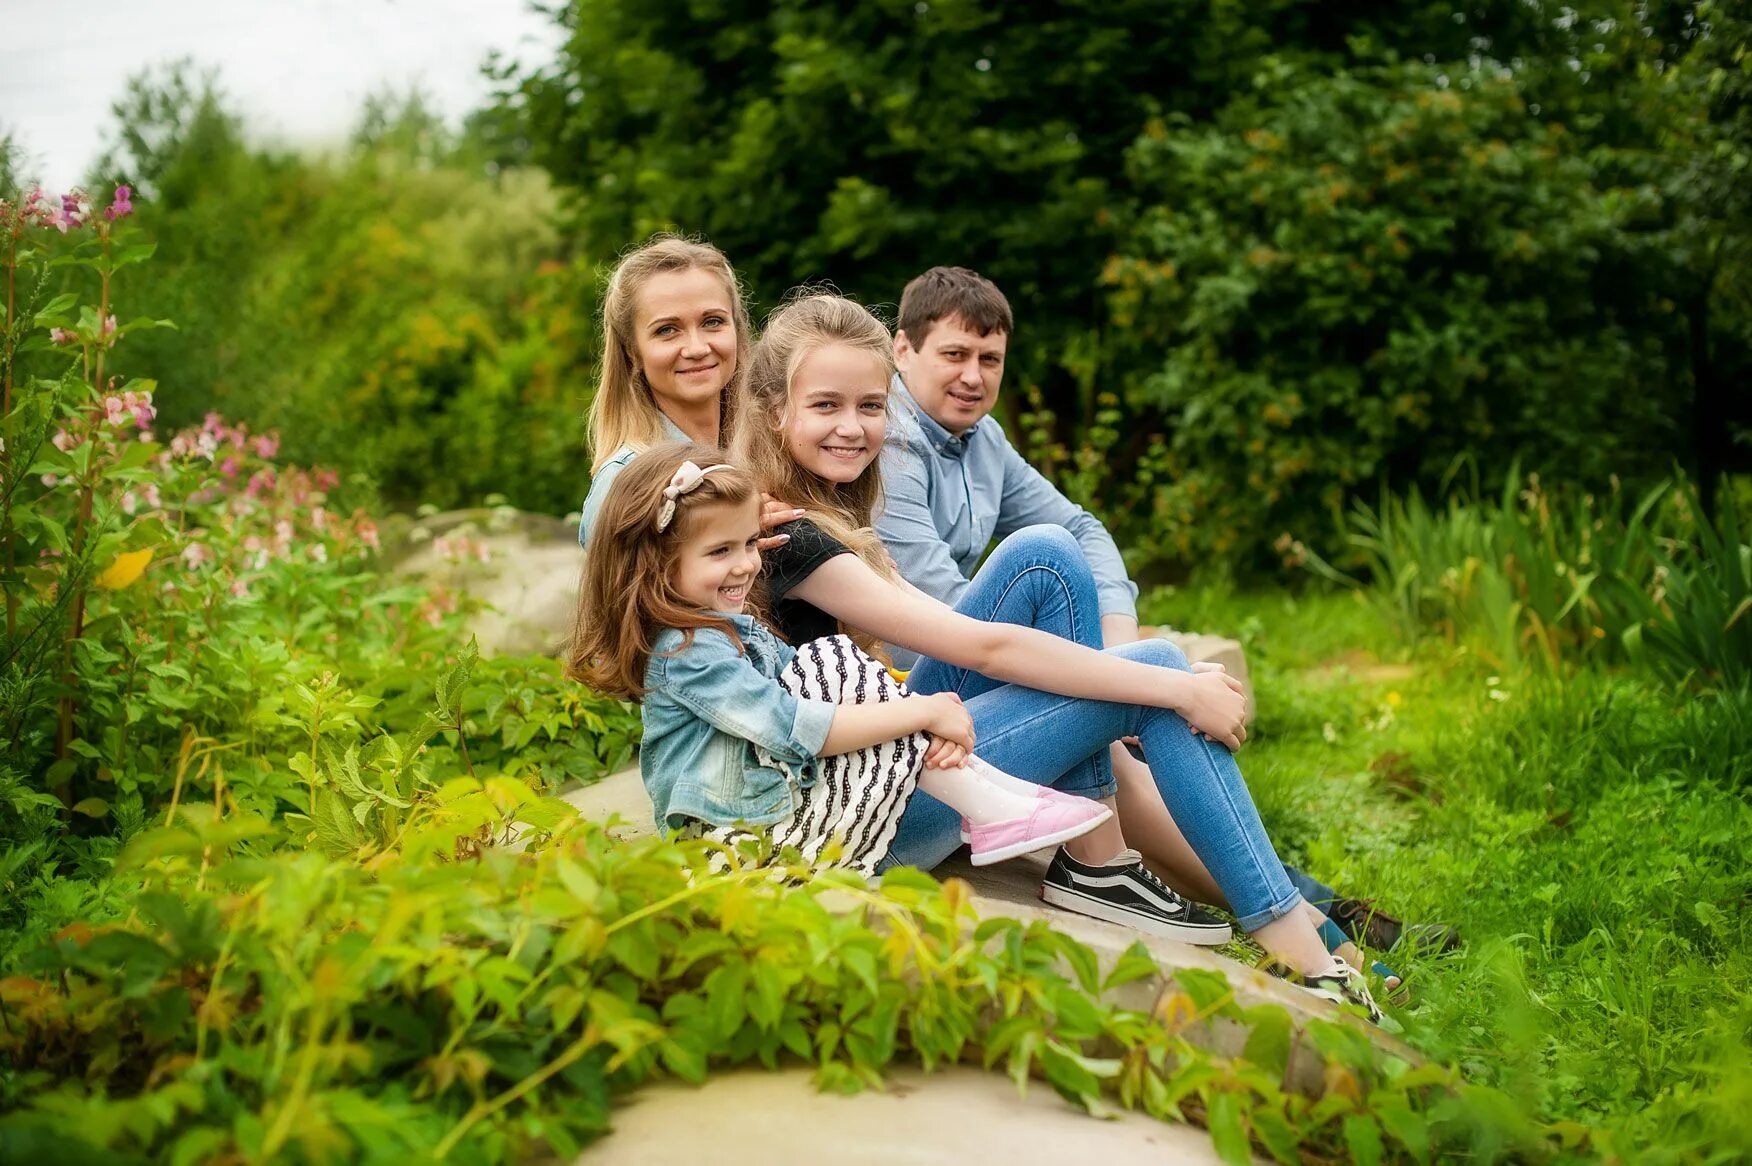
column 724, row 743
column 604, row 478
column 946, row 497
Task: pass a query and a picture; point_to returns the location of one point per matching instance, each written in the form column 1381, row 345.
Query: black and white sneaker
column 1342, row 985
column 1124, row 891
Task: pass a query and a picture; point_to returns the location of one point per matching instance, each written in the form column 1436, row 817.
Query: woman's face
column 837, row 414
column 684, row 337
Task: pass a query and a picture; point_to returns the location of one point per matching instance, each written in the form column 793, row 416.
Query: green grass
column 1587, row 831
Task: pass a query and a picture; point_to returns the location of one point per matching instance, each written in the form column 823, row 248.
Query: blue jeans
column 1038, row 577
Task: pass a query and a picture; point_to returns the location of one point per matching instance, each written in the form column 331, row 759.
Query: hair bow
column 687, row 479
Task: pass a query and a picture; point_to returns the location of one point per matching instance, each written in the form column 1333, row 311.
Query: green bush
column 1357, row 277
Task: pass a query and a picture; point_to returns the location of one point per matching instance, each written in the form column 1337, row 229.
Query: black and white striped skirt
column 857, row 798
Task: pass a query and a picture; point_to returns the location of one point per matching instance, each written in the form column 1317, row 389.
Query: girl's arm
column 858, row 725
column 851, row 592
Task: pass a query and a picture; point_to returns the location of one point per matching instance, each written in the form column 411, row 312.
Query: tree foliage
column 1537, row 299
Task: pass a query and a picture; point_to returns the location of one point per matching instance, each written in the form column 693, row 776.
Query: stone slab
column 523, row 566
column 953, row 1117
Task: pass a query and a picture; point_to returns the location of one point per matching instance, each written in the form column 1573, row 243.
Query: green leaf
column 1134, row 963
column 1362, row 1136
column 91, row 807
column 1228, row 1132
column 1276, row 1134
column 1405, row 1126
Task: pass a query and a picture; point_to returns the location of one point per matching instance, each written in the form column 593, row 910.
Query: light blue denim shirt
column 946, row 498
column 604, row 478
column 723, row 742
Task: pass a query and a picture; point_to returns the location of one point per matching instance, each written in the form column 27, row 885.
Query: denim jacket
column 603, row 478
column 723, row 742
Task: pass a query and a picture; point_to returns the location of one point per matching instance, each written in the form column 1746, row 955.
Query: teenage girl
column 810, row 426
column 743, row 734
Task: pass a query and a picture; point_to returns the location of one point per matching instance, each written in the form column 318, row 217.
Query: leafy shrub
column 1359, row 276
column 262, row 1004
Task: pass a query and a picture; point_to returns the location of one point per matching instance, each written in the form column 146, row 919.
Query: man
column 953, row 483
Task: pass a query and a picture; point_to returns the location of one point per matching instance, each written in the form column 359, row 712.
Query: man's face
column 953, row 372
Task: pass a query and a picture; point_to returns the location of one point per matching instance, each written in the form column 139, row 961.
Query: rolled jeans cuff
column 1279, row 909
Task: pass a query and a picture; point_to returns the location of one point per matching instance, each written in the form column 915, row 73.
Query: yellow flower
column 1393, row 699
column 127, row 568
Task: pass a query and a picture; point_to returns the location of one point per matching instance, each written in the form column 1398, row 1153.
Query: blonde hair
column 624, row 413
column 628, row 594
column 844, row 511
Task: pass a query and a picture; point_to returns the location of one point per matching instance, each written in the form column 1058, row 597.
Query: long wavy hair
column 628, row 593
column 844, row 511
column 624, row 413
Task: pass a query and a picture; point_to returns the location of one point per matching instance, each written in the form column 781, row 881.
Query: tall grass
column 1533, row 577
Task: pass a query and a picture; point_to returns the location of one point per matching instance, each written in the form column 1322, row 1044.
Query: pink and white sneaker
column 1052, row 821
column 1044, row 793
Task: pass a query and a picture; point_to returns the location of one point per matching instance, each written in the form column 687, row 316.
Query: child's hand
column 1216, row 706
column 949, row 719
column 945, row 755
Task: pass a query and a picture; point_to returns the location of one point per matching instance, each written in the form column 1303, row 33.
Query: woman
column 675, row 337
column 810, row 427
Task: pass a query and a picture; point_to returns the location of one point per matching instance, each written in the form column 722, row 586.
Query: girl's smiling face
column 686, row 338
column 837, row 415
column 717, row 560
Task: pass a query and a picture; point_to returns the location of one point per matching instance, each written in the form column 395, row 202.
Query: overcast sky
column 297, row 70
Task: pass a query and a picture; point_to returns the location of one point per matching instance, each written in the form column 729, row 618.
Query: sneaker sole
column 1030, row 845
column 1198, row 934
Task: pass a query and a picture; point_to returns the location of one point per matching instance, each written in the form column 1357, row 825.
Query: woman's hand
column 1216, row 705
column 775, row 513
column 947, row 719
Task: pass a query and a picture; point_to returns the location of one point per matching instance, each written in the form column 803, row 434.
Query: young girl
column 810, row 427
column 744, row 734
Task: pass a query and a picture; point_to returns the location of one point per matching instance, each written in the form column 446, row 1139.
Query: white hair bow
column 687, row 478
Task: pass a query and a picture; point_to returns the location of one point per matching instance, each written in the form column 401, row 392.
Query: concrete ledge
column 953, row 1117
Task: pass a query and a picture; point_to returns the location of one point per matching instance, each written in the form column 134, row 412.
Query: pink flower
column 260, row 483
column 113, row 410
column 326, row 479
column 107, row 333
column 39, row 208
column 129, row 502
column 51, row 480
column 61, row 336
column 318, row 553
column 122, row 206
column 182, row 445
column 239, row 589
column 63, row 440
column 267, row 445
column 319, row 520
column 367, row 531
column 151, row 496
column 140, row 405
column 195, row 554
column 212, row 423
column 230, row 466
column 75, row 210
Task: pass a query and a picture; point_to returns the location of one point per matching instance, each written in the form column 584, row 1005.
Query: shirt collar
column 671, row 430
column 944, row 442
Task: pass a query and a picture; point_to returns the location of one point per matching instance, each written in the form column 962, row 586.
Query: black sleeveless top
column 784, row 568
